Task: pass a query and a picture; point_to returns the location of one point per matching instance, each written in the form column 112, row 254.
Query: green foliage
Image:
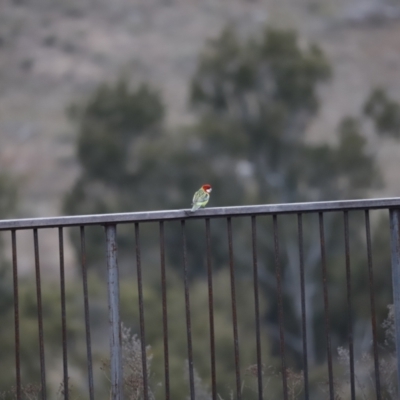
column 111, row 124
column 355, row 157
column 116, row 129
column 258, row 121
column 268, row 77
column 8, row 201
column 266, row 116
column 8, row 195
column 384, row 112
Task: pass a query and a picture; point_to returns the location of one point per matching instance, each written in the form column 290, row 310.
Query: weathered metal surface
column 148, row 216
column 372, row 304
column 395, row 250
column 234, row 312
column 349, row 304
column 116, row 377
column 87, row 314
column 326, row 306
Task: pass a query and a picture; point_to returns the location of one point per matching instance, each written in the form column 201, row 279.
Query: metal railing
column 111, row 221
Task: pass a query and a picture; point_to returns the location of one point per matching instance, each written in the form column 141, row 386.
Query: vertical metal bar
column 188, row 320
column 372, row 302
column 395, row 253
column 211, row 310
column 303, row 305
column 280, row 307
column 87, row 316
column 164, row 310
column 234, row 313
column 63, row 314
column 349, row 304
column 16, row 315
column 326, row 305
column 141, row 313
column 40, row 315
column 113, row 313
column 256, row 305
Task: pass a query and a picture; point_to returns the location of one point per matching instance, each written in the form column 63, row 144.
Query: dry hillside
column 53, row 52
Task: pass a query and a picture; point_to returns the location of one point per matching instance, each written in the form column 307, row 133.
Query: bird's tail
column 195, row 207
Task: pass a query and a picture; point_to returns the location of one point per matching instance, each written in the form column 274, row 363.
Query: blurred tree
column 264, row 91
column 8, row 196
column 255, row 99
column 267, row 88
column 116, row 126
column 384, row 112
column 113, row 127
column 8, row 202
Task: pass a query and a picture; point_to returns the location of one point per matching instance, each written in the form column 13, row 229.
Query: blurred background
column 132, row 105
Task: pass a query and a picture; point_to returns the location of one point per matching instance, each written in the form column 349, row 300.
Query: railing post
column 114, row 317
column 395, row 249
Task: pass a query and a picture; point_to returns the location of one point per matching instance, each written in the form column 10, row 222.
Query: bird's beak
column 209, row 190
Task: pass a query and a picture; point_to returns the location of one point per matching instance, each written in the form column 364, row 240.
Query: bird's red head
column 207, row 188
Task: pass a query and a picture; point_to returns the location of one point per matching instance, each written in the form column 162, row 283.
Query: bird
column 201, row 197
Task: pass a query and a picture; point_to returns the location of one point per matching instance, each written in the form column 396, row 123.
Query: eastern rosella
column 201, row 197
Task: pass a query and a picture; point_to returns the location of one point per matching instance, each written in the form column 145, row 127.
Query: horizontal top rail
column 149, row 216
